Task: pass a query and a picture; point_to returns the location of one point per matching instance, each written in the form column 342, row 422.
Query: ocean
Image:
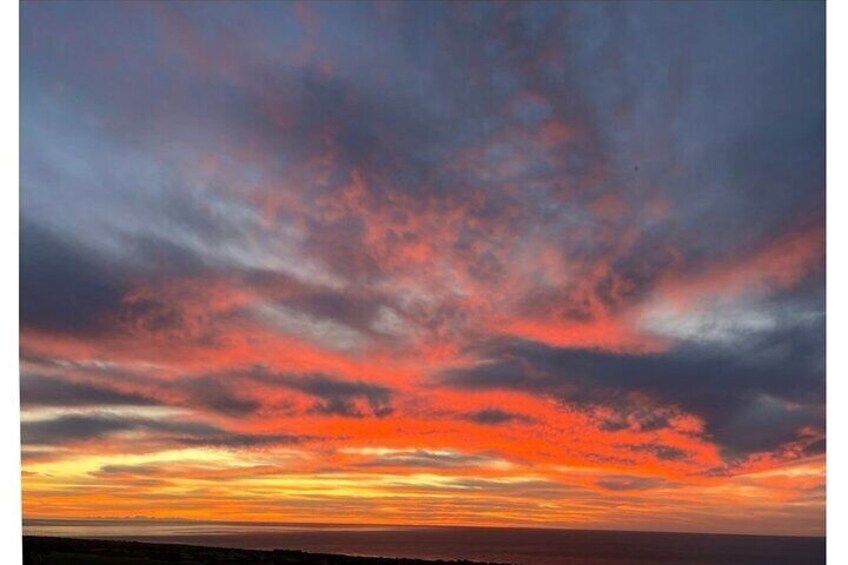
column 519, row 546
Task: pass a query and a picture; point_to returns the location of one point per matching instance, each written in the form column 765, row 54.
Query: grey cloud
column 753, row 396
column 496, row 416
column 72, row 429
column 65, row 287
column 40, row 390
column 624, row 483
column 422, row 458
column 336, row 397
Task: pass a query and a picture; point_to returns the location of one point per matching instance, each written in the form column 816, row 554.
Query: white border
column 837, row 282
column 10, row 445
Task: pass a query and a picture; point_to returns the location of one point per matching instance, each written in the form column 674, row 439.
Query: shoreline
column 44, row 550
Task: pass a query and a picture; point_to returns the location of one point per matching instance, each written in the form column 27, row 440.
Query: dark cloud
column 72, row 429
column 227, row 402
column 355, row 399
column 68, row 429
column 65, row 287
column 218, row 393
column 496, row 416
column 662, row 452
column 816, row 448
column 40, row 390
column 754, row 395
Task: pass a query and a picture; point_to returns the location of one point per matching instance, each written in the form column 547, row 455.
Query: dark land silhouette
column 67, row 551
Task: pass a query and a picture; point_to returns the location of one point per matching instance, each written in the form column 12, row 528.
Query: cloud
column 425, row 458
column 64, row 287
column 496, row 416
column 337, row 397
column 72, row 429
column 623, row 483
column 224, row 399
column 39, row 390
column 754, row 395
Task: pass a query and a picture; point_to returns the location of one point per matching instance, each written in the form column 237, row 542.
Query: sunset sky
column 503, row 263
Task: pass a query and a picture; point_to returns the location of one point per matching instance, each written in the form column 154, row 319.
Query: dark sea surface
column 524, row 546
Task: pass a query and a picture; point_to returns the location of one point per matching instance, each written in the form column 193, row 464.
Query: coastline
column 38, row 550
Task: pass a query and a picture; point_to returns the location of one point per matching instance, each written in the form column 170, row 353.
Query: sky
column 539, row 264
